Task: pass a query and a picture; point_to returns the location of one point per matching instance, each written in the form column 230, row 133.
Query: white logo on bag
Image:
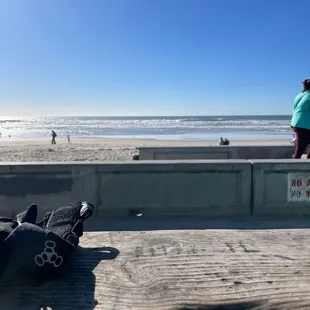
column 49, row 256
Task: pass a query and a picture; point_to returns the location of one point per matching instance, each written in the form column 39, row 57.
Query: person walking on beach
column 301, row 120
column 68, row 137
column 54, row 135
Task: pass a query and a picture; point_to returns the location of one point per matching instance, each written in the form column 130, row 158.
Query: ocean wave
column 102, row 126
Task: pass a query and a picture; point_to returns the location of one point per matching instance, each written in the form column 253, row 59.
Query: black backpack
column 32, row 250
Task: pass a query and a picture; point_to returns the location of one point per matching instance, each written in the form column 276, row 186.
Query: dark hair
column 306, row 84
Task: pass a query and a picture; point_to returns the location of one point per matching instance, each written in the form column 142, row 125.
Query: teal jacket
column 301, row 111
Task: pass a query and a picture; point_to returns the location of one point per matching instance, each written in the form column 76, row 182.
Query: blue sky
column 152, row 57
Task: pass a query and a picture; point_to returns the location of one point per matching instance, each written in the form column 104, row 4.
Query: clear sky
column 152, row 57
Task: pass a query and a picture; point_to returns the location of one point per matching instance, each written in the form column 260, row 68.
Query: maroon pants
column 302, row 141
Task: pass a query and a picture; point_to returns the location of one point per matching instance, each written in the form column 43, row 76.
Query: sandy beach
column 93, row 149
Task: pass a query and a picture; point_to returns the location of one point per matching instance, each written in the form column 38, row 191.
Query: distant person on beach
column 226, row 142
column 221, row 141
column 68, row 137
column 54, row 135
column 301, row 120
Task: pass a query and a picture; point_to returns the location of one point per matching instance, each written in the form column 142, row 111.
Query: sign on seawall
column 299, row 187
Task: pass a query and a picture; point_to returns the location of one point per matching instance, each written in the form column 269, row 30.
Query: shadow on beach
column 73, row 290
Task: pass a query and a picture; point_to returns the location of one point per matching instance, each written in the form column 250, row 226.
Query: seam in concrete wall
column 252, row 190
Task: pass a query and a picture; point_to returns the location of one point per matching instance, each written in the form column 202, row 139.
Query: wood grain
column 205, row 269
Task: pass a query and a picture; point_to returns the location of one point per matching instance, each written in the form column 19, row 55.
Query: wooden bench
column 180, row 269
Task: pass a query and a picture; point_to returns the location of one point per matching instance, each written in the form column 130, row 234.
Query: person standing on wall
column 301, row 120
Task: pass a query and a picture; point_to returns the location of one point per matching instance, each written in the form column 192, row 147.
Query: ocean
column 270, row 127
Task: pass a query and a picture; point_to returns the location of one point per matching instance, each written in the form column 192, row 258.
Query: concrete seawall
column 205, row 188
column 48, row 185
column 217, row 152
column 209, row 188
column 281, row 187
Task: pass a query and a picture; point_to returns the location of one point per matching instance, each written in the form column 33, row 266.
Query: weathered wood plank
column 205, row 269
